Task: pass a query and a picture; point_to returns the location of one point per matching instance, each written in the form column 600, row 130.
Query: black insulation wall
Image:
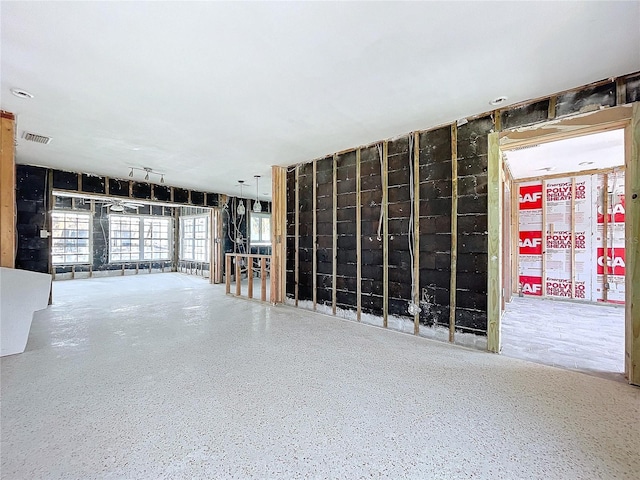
column 435, row 213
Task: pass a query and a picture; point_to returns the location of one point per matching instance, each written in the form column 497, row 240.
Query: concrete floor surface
column 579, row 336
column 163, row 376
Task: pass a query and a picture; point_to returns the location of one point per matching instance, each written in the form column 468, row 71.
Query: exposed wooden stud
column 632, row 251
column 605, row 235
column 7, row 191
column 171, row 194
column 358, row 240
column 278, row 234
column 416, row 230
column 238, row 276
column 495, row 257
column 315, row 236
column 227, row 274
column 79, row 182
column 551, row 113
column 573, row 237
column 176, row 239
column 130, row 188
column 515, row 229
column 106, row 185
column 263, row 279
column 296, row 268
column 249, row 277
column 544, row 238
column 212, row 245
column 454, row 231
column 334, row 251
column 497, row 121
column 385, row 234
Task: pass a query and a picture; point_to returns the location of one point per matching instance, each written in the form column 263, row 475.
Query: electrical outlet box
column 44, row 234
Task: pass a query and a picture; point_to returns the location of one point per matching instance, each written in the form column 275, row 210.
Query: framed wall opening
column 564, row 296
column 127, row 237
column 504, row 243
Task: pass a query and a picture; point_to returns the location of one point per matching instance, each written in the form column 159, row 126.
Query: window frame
column 89, row 238
column 142, row 239
column 261, row 242
column 193, row 239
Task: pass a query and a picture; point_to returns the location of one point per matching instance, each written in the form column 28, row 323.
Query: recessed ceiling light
column 21, row 93
column 498, row 100
column 585, row 163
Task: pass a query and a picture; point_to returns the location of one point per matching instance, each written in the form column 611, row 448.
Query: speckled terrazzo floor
column 162, row 376
column 579, row 336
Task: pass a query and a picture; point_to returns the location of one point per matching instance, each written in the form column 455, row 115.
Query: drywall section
column 364, row 230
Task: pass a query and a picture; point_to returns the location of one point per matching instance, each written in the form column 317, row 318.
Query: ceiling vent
column 34, row 137
column 526, row 147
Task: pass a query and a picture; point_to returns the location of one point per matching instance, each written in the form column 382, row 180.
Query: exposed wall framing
column 453, row 208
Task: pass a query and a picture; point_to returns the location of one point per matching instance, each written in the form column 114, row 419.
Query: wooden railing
column 247, row 268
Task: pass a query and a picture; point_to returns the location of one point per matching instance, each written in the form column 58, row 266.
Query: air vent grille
column 34, row 137
column 526, row 147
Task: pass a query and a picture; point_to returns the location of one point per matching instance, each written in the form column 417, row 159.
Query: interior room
column 559, row 189
column 319, row 240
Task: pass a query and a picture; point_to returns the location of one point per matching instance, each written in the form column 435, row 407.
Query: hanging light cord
column 411, row 234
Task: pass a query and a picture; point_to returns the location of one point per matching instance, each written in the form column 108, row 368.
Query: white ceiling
column 589, row 152
column 213, row 92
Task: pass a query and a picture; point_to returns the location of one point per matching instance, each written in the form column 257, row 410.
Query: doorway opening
column 98, row 236
column 564, row 252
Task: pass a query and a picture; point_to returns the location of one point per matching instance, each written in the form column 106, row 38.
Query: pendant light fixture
column 240, row 208
column 257, row 206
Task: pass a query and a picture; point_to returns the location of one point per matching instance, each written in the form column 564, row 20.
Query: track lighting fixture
column 148, row 172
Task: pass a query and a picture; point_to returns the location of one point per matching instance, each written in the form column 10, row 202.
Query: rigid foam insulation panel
column 305, row 231
column 471, row 286
column 291, row 232
column 400, row 164
column 371, row 230
column 346, row 273
column 435, row 226
column 324, row 222
column 579, row 272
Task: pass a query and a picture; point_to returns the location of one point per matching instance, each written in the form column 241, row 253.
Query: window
column 124, row 238
column 71, row 237
column 194, row 238
column 136, row 238
column 260, row 228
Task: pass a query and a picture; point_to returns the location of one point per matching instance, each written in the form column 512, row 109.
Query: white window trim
column 207, row 238
column 89, row 239
column 141, row 238
column 259, row 243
